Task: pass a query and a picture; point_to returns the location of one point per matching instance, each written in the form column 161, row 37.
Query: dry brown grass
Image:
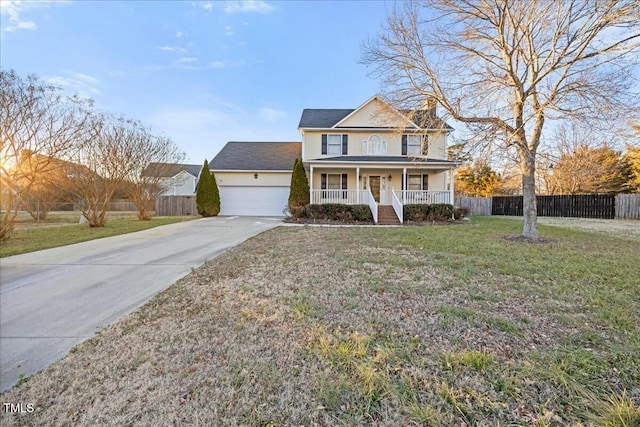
column 370, row 326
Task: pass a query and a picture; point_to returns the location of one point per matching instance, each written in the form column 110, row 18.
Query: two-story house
column 376, row 155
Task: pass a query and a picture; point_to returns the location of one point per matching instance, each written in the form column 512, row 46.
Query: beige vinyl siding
column 317, row 177
column 265, row 179
column 375, row 114
column 313, row 143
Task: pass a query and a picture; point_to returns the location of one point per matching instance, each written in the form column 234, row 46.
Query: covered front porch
column 378, row 185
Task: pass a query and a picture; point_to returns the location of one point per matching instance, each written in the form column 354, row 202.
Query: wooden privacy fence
column 476, row 205
column 579, row 206
column 176, row 206
column 628, row 206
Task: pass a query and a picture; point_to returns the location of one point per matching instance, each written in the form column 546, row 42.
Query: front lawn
column 63, row 228
column 436, row 325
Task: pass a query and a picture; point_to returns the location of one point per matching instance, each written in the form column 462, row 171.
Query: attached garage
column 253, row 201
column 254, row 177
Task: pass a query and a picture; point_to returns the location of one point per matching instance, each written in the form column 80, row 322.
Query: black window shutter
column 345, row 144
column 323, row 181
column 425, row 145
column 344, row 185
column 425, row 182
column 404, row 145
column 324, row 143
column 403, row 177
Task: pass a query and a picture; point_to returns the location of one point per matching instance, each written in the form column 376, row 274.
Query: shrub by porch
column 337, row 212
column 433, row 212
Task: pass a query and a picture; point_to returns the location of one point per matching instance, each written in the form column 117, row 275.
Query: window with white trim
column 418, row 182
column 334, row 144
column 414, row 144
column 334, row 181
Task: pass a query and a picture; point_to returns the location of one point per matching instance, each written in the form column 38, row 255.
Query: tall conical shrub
column 207, row 194
column 299, row 191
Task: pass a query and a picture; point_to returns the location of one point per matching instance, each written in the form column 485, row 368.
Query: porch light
column 255, row 176
column 389, row 177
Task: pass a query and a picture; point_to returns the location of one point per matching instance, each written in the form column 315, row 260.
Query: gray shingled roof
column 259, row 156
column 327, row 118
column 170, row 169
column 322, row 118
column 381, row 159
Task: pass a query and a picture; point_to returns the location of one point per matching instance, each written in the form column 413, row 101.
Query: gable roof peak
column 386, row 105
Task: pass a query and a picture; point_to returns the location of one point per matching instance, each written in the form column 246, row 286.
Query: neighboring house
column 254, row 177
column 177, row 179
column 376, row 155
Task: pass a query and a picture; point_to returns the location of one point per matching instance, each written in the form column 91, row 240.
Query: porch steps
column 387, row 216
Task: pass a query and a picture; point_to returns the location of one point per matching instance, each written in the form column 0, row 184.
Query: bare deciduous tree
column 511, row 66
column 147, row 149
column 38, row 124
column 101, row 165
column 111, row 157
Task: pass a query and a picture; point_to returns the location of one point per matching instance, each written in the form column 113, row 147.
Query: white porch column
column 358, row 184
column 311, row 184
column 451, row 185
column 404, row 185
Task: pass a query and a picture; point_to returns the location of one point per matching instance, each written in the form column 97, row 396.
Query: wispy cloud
column 225, row 63
column 239, row 6
column 82, row 84
column 13, row 9
column 186, row 59
column 193, row 63
column 228, row 30
column 16, row 9
column 248, row 6
column 179, row 34
column 171, row 49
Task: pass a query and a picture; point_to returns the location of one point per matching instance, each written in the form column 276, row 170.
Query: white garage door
column 253, row 201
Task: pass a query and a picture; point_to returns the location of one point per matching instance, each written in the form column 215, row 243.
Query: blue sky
column 200, row 72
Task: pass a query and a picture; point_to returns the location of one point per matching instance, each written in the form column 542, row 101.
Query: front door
column 374, row 184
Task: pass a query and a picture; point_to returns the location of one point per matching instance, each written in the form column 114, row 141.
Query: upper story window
column 335, row 144
column 374, row 146
column 416, row 145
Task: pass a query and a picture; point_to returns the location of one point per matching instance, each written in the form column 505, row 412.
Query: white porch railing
column 397, row 206
column 410, row 197
column 372, row 204
column 343, row 197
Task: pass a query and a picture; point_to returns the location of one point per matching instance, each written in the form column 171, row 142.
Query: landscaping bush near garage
column 434, row 212
column 337, row 212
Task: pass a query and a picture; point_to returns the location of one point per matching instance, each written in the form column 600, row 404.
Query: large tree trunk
column 529, row 208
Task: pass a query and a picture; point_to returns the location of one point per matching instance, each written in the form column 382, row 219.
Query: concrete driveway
column 54, row 299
